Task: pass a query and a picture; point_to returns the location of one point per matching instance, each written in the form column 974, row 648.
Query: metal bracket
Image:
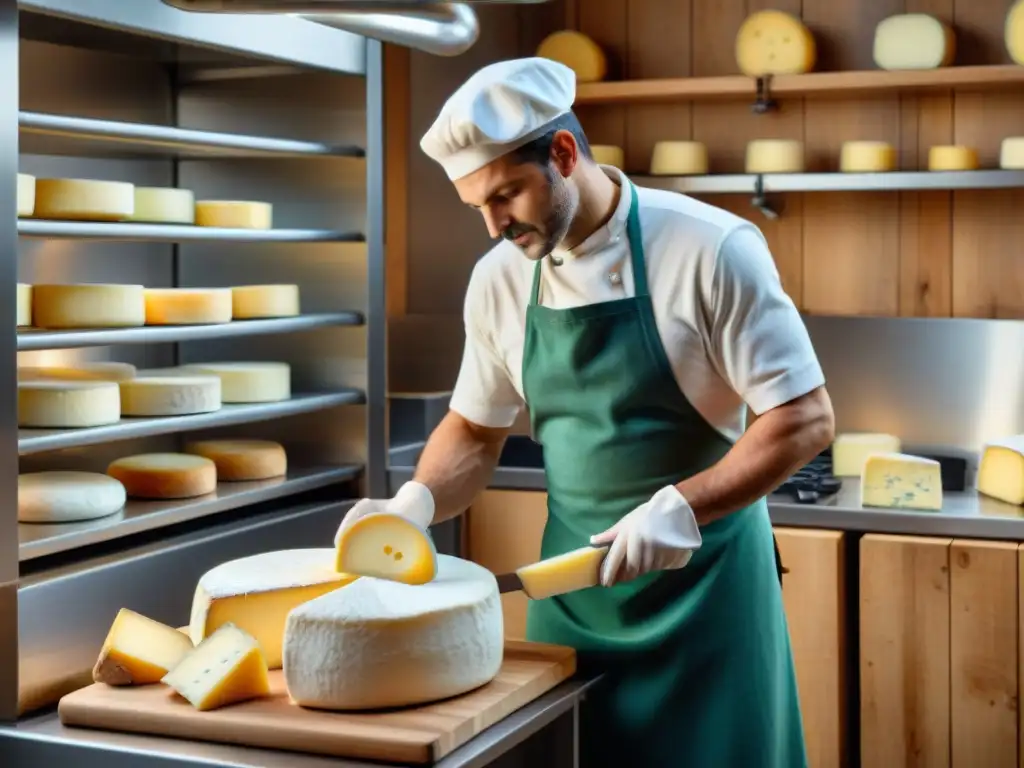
column 760, row 201
column 764, row 101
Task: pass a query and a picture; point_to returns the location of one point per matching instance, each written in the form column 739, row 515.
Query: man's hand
column 659, row 535
column 413, row 501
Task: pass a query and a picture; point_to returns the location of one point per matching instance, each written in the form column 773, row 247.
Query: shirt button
column 614, row 278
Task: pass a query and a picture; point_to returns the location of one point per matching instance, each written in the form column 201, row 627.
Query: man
column 635, row 325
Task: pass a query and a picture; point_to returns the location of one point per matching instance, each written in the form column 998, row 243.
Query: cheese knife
column 578, row 569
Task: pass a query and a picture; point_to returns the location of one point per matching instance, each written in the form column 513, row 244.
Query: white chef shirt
column 732, row 335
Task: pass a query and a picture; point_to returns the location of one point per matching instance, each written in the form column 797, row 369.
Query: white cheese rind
column 249, row 382
column 49, row 404
column 164, row 205
column 24, row 305
column 26, row 194
column 170, row 395
column 913, row 41
column 901, row 481
column 88, row 305
column 84, row 200
column 1011, row 153
column 66, row 497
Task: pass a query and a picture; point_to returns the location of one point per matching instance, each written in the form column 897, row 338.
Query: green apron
column 697, row 662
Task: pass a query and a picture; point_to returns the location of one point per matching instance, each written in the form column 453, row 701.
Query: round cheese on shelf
column 50, row 404
column 1013, row 32
column 24, row 305
column 379, row 643
column 164, row 205
column 250, row 302
column 774, row 43
column 1011, row 153
column 248, row 382
column 26, row 194
column 187, row 306
column 95, row 371
column 952, row 158
column 170, row 395
column 84, row 200
column 576, row 51
column 608, row 154
column 67, row 497
column 775, row 156
column 679, row 158
column 913, row 41
column 867, row 157
column 88, row 305
column 242, row 460
column 165, row 475
column 234, row 214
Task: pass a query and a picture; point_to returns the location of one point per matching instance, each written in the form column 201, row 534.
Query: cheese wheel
column 608, row 154
column 576, row 51
column 84, row 200
column 138, row 651
column 952, row 158
column 49, row 404
column 26, row 194
column 379, row 643
column 241, row 460
column 867, row 157
column 774, row 43
column 67, row 497
column 170, row 395
column 235, row 214
column 775, row 156
column 1013, row 32
column 164, row 205
column 248, row 382
column 187, row 306
column 901, row 481
column 679, row 158
column 913, row 41
column 250, row 302
column 1011, row 153
column 851, row 449
column 24, row 305
column 1001, row 470
column 97, row 371
column 165, row 475
column 88, row 305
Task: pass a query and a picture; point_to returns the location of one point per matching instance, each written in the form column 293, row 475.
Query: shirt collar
column 612, row 231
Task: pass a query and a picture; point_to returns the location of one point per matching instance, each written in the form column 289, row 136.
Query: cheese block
column 164, row 205
column 850, row 449
column 901, row 481
column 67, row 497
column 243, row 382
column 84, row 200
column 87, row 371
column 139, row 651
column 51, row 404
column 380, row 643
column 576, row 51
column 23, row 313
column 1013, row 32
column 608, row 154
column 240, row 460
column 774, row 43
column 388, row 547
column 1011, row 153
column 164, row 475
column 187, row 306
column 578, row 569
column 679, row 158
column 226, row 668
column 88, row 305
column 250, row 302
column 952, row 158
column 867, row 157
column 26, row 194
column 775, row 156
column 913, row 41
column 234, row 214
column 170, row 395
column 256, row 593
column 1001, row 470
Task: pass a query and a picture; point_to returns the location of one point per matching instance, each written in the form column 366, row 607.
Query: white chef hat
column 500, row 108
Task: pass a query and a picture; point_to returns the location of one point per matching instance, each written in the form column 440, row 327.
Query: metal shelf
column 41, row 539
column 177, row 233
column 40, row 440
column 30, row 339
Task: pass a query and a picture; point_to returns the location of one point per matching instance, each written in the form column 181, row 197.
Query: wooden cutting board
column 419, row 735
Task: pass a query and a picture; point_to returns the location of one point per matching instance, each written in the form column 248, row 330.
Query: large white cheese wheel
column 26, row 194
column 257, row 593
column 176, row 395
column 379, row 643
column 88, row 305
column 775, row 156
column 187, row 306
column 241, row 460
column 250, row 302
column 84, row 200
column 1011, row 153
column 165, row 475
column 1001, row 470
column 679, row 158
column 164, row 205
column 913, row 41
column 1014, row 32
column 774, row 43
column 608, row 154
column 89, row 371
column 24, row 305
column 66, row 497
column 236, row 214
column 952, row 158
column 867, row 157
column 248, row 382
column 576, row 51
column 49, row 404
column 851, row 449
column 901, row 481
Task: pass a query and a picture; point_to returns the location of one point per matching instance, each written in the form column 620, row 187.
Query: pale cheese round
column 234, row 214
column 952, row 158
column 913, row 41
column 88, row 371
column 608, row 154
column 867, row 157
column 379, row 643
column 164, row 205
column 84, row 200
column 188, row 306
column 50, row 404
column 88, row 305
column 165, row 475
column 24, row 305
column 170, row 395
column 244, row 382
column 775, row 156
column 774, row 43
column 26, row 194
column 67, row 497
column 243, row 460
column 1013, row 32
column 250, row 302
column 1011, row 153
column 576, row 51
column 679, row 158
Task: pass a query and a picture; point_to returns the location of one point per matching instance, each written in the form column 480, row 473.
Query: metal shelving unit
column 178, row 233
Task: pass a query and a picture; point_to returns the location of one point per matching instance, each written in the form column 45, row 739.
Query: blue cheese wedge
column 901, row 481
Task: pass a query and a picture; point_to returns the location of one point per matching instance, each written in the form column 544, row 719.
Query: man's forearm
column 457, row 463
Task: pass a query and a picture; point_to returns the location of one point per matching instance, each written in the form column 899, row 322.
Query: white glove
column 659, row 535
column 414, row 502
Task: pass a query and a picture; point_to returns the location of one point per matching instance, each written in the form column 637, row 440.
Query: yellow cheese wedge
column 867, row 157
column 388, row 547
column 139, row 651
column 913, row 41
column 851, row 449
column 608, row 154
column 679, row 158
column 574, row 570
column 1014, row 32
column 775, row 156
column 226, row 668
column 84, row 200
column 774, row 43
column 1001, row 470
column 234, row 214
column 24, row 305
column 901, row 481
column 576, row 51
column 26, row 194
column 952, row 158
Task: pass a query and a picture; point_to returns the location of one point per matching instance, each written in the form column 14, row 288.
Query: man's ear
column 565, row 152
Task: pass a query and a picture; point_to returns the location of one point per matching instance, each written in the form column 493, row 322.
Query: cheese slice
column 867, row 157
column 23, row 313
column 84, row 200
column 952, row 158
column 576, row 51
column 774, row 43
column 165, row 475
column 679, row 158
column 170, row 395
column 139, row 651
column 242, row 460
column 901, row 481
column 88, row 305
column 67, row 497
column 1013, row 32
column 187, row 306
column 1011, row 153
column 380, row 643
column 234, row 214
column 245, row 382
column 851, row 449
column 257, row 593
column 1001, row 470
column 164, row 205
column 88, row 371
column 50, row 404
column 775, row 156
column 226, row 668
column 578, row 569
column 26, row 194
column 608, row 154
column 250, row 302
column 913, row 41
column 389, row 547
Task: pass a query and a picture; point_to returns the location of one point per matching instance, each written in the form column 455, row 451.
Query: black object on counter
column 813, row 481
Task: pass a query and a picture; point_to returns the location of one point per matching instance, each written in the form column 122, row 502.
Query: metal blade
column 509, row 582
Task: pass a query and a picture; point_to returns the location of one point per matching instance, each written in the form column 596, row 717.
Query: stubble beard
column 559, row 220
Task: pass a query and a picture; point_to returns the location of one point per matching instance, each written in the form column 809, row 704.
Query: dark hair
column 539, row 150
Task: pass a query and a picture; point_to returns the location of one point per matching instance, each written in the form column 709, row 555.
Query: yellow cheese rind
column 84, row 200
column 88, row 305
column 165, row 475
column 913, row 41
column 24, row 305
column 174, row 395
column 1001, row 470
column 164, row 205
column 249, row 382
column 251, row 302
column 867, row 157
column 226, row 668
column 234, row 214
column 1014, row 32
column 952, row 158
column 679, row 158
column 775, row 156
column 901, row 481
column 388, row 547
column 576, row 51
column 188, row 306
column 774, row 43
column 88, row 371
column 608, row 154
column 50, row 404
column 139, row 651
column 26, row 194
column 578, row 569
column 243, row 460
column 851, row 449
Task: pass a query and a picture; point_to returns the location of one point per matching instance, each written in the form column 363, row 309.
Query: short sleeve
column 758, row 339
